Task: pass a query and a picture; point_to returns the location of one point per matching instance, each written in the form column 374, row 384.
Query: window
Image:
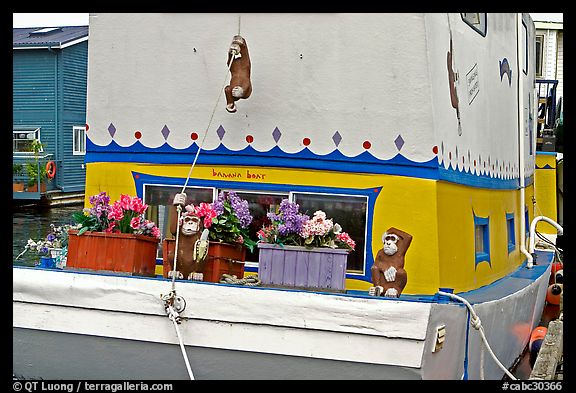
column 511, row 232
column 475, row 20
column 159, row 199
column 23, row 140
column 348, row 211
column 539, row 54
column 482, row 239
column 259, row 204
column 78, row 140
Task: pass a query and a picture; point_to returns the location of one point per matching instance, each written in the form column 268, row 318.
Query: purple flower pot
column 301, row 267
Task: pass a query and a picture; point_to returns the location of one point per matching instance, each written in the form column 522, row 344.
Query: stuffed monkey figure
column 388, row 274
column 189, row 265
column 240, row 85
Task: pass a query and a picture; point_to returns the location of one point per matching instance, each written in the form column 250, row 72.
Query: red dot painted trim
column 138, row 134
column 306, row 141
column 194, row 136
column 249, row 138
column 367, row 145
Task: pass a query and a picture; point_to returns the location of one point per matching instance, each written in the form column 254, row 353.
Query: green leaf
column 82, row 230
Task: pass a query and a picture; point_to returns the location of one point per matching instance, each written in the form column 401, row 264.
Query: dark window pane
column 348, row 211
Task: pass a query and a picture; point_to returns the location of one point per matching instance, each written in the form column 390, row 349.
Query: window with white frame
column 350, row 211
column 159, row 199
column 78, row 140
column 23, row 140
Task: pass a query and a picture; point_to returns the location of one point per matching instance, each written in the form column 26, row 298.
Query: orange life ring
column 51, row 169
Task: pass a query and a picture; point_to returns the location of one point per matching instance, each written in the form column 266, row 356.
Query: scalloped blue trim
column 304, row 159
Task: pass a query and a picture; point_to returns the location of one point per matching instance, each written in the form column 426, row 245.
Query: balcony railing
column 29, row 180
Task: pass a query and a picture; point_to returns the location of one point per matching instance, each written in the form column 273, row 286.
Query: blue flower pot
column 47, row 263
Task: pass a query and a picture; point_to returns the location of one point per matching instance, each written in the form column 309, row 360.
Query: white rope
column 477, row 324
column 173, row 315
column 211, row 118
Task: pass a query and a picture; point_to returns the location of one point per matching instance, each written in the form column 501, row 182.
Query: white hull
column 90, row 326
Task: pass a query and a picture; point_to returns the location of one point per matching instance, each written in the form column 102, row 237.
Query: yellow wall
column 545, row 182
column 457, row 205
column 406, row 203
column 439, row 216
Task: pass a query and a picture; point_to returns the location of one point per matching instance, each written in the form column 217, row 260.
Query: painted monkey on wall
column 192, row 242
column 388, row 275
column 240, row 85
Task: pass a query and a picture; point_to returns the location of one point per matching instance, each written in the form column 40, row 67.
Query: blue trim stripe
column 275, row 157
column 482, row 181
column 304, row 159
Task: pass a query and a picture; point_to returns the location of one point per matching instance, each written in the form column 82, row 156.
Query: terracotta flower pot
column 223, row 258
column 118, row 252
column 34, row 188
column 301, row 267
column 17, row 187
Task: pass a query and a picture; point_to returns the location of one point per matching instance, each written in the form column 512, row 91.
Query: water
column 34, row 223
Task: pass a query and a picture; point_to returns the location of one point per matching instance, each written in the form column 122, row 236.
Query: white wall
column 363, row 75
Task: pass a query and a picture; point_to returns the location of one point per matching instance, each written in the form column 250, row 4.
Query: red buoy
column 553, row 294
column 536, row 338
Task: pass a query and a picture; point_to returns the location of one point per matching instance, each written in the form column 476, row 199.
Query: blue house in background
column 49, row 106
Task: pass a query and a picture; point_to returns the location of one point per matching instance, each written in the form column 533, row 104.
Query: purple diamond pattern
column 399, row 142
column 276, row 134
column 112, row 130
column 165, row 132
column 337, row 138
column 220, row 131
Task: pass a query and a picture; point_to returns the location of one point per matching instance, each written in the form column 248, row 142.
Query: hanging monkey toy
column 240, row 85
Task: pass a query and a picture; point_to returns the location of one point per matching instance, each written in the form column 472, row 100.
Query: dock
column 549, row 363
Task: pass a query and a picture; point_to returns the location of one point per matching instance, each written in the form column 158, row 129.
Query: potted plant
column 35, row 171
column 114, row 237
column 52, row 248
column 227, row 220
column 17, row 170
column 303, row 252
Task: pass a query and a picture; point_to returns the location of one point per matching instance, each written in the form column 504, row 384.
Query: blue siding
column 49, row 91
column 74, row 82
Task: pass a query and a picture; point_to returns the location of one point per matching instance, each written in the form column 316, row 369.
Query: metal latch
column 440, row 337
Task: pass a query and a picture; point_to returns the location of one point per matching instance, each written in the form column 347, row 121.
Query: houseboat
column 431, row 131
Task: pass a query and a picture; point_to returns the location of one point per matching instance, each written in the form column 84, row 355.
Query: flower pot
column 117, row 252
column 17, row 187
column 222, row 258
column 302, row 268
column 47, row 263
column 34, row 188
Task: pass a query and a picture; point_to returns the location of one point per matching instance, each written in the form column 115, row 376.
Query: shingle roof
column 24, row 37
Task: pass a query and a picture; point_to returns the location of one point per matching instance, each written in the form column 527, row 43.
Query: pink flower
column 156, row 232
column 345, row 238
column 135, row 222
column 125, row 202
column 110, row 227
column 205, row 210
column 138, row 206
column 116, row 213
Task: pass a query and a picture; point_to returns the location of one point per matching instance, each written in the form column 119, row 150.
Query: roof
column 549, row 25
column 48, row 37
